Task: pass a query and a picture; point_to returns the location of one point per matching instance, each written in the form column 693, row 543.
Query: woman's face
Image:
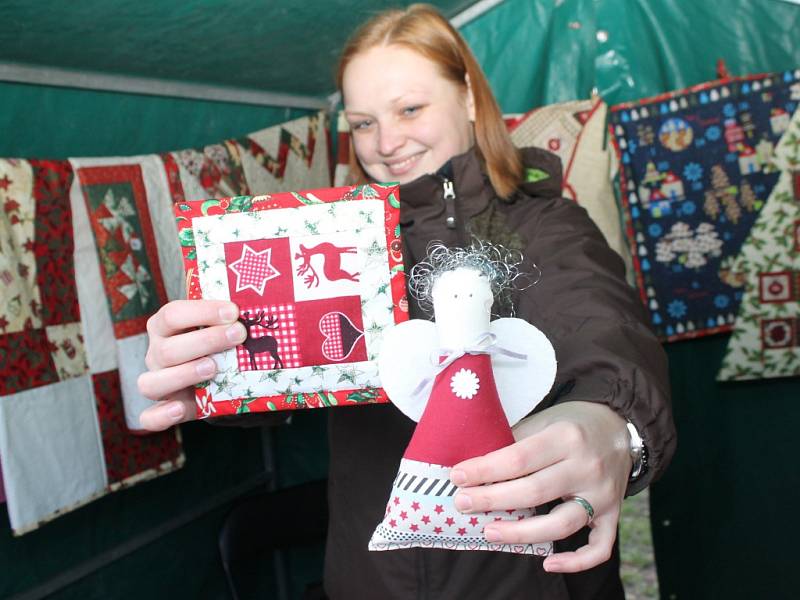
column 406, row 119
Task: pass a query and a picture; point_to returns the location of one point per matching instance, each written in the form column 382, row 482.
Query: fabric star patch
column 253, row 269
column 318, row 277
column 696, row 172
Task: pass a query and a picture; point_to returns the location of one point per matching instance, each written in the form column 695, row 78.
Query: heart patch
column 340, row 334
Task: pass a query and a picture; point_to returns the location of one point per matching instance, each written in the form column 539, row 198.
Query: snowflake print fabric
column 316, row 285
column 695, row 174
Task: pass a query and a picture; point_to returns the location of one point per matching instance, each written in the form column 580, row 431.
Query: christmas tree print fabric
column 693, row 181
column 317, row 276
column 765, row 341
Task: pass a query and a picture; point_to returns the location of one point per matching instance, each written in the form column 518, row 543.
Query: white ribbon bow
column 485, row 343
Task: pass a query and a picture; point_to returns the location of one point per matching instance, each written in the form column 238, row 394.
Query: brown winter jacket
column 606, row 353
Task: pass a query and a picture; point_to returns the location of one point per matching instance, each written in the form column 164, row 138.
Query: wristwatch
column 638, row 453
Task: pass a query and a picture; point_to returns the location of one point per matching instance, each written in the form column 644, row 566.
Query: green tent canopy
column 108, row 78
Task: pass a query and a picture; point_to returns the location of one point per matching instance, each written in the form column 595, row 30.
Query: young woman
column 421, row 113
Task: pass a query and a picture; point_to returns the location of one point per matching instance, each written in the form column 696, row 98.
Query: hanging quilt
column 317, row 276
column 58, row 443
column 765, row 342
column 289, row 156
column 127, row 256
column 693, row 181
column 97, row 236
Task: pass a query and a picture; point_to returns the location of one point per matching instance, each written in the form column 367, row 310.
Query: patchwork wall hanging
column 765, row 342
column 318, row 277
column 693, row 181
column 88, row 251
column 63, row 434
column 576, row 132
column 286, row 157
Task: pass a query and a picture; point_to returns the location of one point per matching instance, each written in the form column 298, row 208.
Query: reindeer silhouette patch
column 271, row 342
column 331, row 263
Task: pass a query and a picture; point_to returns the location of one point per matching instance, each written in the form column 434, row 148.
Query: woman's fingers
column 532, row 490
column 597, row 551
column 564, row 520
column 165, row 383
column 179, row 349
column 181, row 315
column 163, row 415
column 525, row 456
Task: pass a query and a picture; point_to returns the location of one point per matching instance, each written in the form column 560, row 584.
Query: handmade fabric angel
column 466, row 381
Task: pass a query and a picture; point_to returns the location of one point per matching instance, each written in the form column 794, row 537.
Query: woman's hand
column 177, row 357
column 573, row 448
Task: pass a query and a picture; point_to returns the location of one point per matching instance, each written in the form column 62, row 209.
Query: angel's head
column 487, row 271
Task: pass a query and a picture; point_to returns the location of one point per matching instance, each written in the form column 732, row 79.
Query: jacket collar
column 472, row 186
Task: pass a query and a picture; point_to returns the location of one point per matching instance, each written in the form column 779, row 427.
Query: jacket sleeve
column 605, row 349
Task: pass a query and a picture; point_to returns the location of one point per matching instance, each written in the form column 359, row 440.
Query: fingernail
column 206, row 367
column 458, row 477
column 463, row 502
column 229, row 312
column 235, row 333
column 491, row 534
column 550, row 565
column 175, row 411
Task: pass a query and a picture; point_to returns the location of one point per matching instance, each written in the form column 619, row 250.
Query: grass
column 636, row 549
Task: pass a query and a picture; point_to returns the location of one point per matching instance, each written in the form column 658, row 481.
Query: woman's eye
column 411, row 110
column 360, row 125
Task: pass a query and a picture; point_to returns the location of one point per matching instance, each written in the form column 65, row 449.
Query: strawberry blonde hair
column 424, row 30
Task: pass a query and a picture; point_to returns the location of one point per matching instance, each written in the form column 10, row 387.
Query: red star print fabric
column 318, row 278
column 420, row 512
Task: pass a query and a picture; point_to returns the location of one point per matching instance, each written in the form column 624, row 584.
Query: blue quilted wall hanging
column 695, row 173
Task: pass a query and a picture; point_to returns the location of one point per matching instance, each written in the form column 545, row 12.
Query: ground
column 636, row 547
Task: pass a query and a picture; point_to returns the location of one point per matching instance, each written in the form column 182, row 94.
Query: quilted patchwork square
column 27, row 361
column 775, row 287
column 778, row 333
column 272, row 339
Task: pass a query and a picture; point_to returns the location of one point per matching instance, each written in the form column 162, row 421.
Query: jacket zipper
column 449, row 203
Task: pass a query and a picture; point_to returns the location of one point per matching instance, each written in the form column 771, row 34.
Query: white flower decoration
column 465, row 384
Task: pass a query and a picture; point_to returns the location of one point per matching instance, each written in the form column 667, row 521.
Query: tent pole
column 38, row 75
column 473, row 12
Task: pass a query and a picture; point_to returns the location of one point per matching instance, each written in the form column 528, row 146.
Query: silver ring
column 585, row 504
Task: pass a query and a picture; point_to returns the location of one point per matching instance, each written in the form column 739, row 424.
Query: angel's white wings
column 405, row 361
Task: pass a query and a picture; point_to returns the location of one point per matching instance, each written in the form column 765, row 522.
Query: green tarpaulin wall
column 724, row 515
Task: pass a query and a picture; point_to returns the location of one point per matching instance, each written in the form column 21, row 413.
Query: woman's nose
column 389, row 140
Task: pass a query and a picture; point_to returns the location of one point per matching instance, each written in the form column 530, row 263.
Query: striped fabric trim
column 429, row 486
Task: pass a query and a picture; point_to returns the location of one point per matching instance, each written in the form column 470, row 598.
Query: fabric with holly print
column 765, row 341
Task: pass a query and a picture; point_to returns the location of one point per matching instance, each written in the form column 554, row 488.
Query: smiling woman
column 409, row 121
column 422, row 114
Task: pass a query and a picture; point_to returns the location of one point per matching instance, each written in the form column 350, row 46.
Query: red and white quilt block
column 318, row 278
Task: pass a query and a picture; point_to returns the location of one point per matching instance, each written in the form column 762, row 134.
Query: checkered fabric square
column 272, row 347
column 331, row 327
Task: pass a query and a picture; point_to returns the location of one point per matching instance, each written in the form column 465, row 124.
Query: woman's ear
column 470, row 99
